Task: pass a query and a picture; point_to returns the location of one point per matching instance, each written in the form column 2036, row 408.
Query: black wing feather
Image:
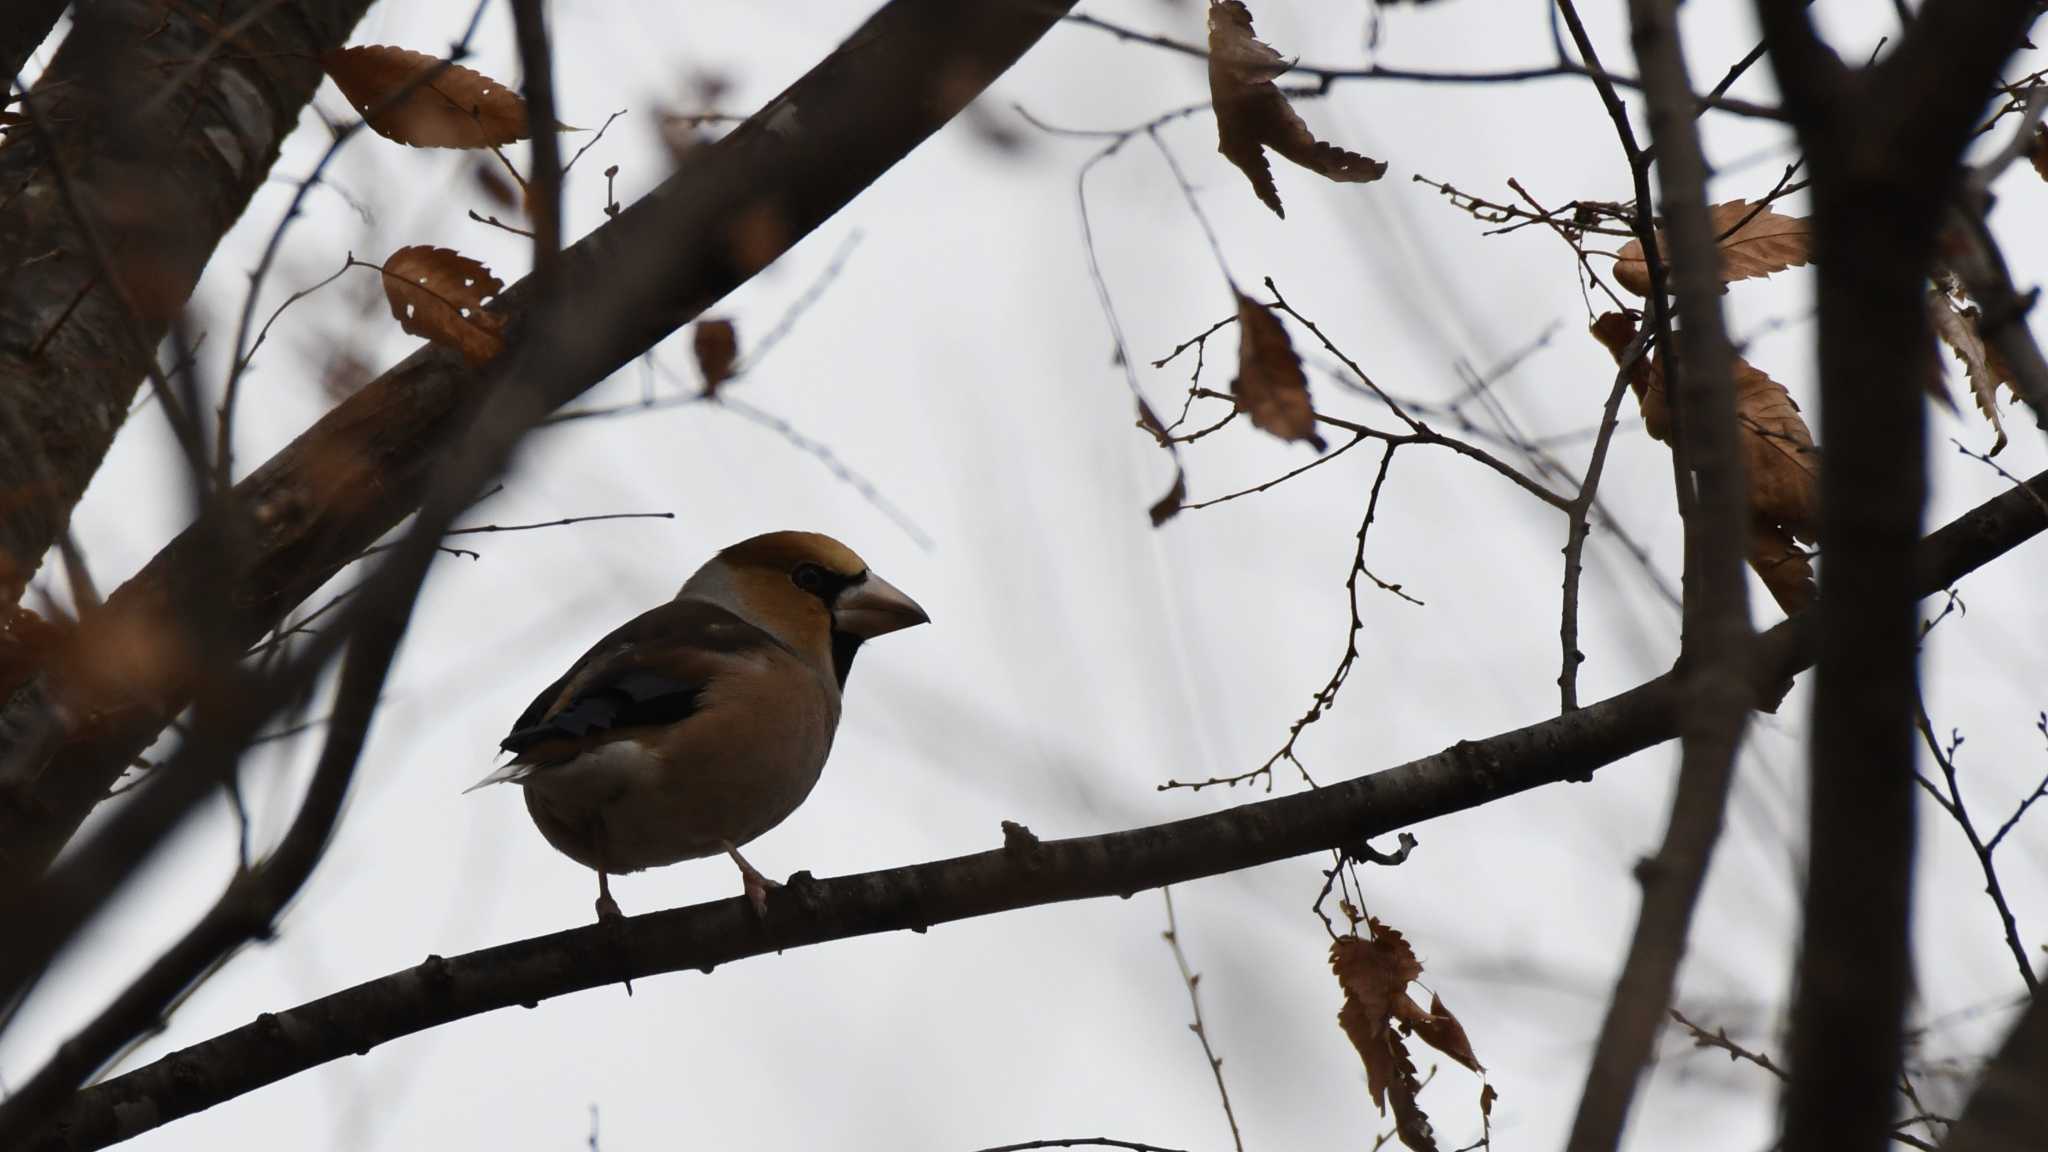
column 634, row 699
column 629, row 693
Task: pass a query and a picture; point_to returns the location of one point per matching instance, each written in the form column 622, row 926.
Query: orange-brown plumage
column 702, row 723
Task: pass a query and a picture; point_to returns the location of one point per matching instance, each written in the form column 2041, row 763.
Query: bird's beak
column 875, row 606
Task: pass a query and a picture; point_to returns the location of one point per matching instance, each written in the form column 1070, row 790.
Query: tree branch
column 246, row 911
column 362, row 468
column 1025, row 872
column 173, row 165
column 1717, row 695
column 1884, row 146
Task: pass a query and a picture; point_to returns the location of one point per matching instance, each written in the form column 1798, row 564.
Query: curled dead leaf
column 1645, row 376
column 1958, row 327
column 1375, row 972
column 424, row 101
column 490, row 180
column 1169, row 505
column 1252, row 113
column 439, row 294
column 1784, row 567
column 1754, row 241
column 1783, row 464
column 1438, row 1029
column 717, row 346
column 1411, row 1124
column 1270, row 386
column 1778, row 454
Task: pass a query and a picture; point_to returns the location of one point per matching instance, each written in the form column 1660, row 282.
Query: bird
column 700, row 724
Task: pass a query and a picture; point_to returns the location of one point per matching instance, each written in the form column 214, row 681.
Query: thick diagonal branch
column 362, row 468
column 165, row 154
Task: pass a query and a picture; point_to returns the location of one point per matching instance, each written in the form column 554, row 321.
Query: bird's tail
column 504, row 773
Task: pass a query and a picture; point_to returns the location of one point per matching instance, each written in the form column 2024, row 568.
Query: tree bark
column 165, row 123
column 362, row 468
column 1717, row 693
column 1884, row 145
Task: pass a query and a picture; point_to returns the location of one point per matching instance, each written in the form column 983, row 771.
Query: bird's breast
column 736, row 767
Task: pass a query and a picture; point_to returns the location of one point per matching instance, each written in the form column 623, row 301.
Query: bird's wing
column 651, row 671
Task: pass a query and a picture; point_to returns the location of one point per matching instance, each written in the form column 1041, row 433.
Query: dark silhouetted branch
column 176, row 154
column 364, row 467
column 1884, row 145
column 1717, row 695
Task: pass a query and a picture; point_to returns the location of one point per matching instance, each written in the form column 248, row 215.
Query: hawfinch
column 699, row 725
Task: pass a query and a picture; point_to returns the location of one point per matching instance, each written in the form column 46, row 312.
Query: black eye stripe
column 822, row 583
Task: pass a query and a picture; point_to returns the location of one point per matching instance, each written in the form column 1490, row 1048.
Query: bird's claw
column 757, row 887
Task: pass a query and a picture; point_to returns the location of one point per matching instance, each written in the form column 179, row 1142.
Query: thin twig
column 1958, row 811
column 1193, row 980
column 487, row 528
column 1718, row 1038
column 1563, row 69
column 1326, row 696
column 238, row 362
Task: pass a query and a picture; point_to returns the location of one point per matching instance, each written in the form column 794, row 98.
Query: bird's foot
column 608, row 913
column 757, row 887
column 756, row 884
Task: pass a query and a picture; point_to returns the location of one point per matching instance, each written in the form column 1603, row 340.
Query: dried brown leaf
column 1411, row 1124
column 1169, row 505
column 1783, row 464
column 1369, row 1037
column 1270, row 386
column 403, row 97
column 1374, row 972
column 1645, row 376
column 1252, row 113
column 717, row 345
column 1783, row 566
column 1958, row 328
column 1778, row 453
column 2039, row 152
column 439, row 294
column 490, row 180
column 1754, row 241
column 1441, row 1031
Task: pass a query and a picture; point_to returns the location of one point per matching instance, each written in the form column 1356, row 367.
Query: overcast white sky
column 1077, row 657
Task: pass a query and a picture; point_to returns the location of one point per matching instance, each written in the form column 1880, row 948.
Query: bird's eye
column 809, row 577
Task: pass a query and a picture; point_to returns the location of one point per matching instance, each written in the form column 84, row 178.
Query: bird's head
column 809, row 590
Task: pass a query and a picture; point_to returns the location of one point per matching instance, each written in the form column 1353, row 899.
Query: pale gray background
column 1077, row 657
